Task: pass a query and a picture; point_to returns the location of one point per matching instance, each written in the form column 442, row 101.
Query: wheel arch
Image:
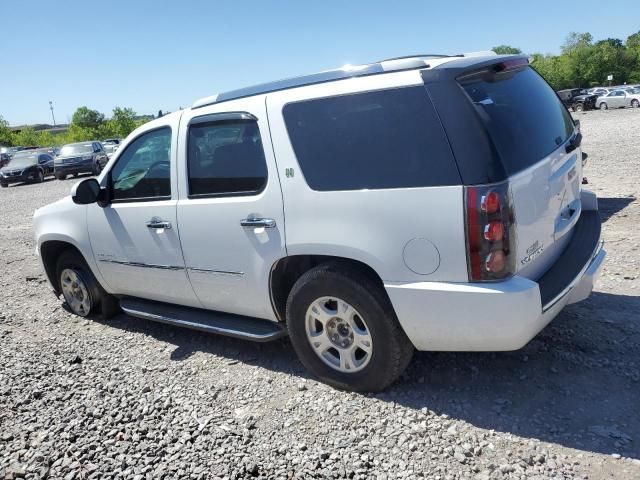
column 287, row 270
column 50, row 251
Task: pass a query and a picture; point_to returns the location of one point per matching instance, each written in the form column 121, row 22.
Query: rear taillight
column 490, row 237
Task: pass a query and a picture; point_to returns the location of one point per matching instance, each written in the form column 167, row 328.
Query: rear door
column 230, row 209
column 535, row 139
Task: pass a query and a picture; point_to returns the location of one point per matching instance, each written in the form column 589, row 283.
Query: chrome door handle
column 258, row 222
column 158, row 223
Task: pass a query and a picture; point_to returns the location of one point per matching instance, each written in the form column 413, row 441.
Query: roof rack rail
column 397, row 64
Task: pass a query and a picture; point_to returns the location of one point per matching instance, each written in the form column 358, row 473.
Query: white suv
column 429, row 202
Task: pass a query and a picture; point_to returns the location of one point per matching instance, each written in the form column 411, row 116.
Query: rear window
column 373, row 140
column 522, row 115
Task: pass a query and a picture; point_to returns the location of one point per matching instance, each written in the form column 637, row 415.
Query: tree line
column 86, row 124
column 585, row 63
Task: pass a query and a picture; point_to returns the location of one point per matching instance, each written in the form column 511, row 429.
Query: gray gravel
column 83, row 399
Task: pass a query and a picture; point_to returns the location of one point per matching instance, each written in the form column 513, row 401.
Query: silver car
column 618, row 99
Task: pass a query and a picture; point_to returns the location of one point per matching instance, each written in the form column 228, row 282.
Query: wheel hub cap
column 75, row 292
column 338, row 334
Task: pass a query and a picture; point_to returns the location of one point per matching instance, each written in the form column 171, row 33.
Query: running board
column 227, row 324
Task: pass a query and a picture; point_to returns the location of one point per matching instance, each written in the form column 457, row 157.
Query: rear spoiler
column 469, row 65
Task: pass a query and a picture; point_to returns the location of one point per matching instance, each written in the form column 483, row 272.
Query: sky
column 151, row 55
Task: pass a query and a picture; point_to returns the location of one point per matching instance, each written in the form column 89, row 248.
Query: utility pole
column 52, row 115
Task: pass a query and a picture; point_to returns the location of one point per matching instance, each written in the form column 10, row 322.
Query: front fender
column 66, row 222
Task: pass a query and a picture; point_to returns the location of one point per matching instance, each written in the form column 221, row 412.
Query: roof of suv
column 397, row 64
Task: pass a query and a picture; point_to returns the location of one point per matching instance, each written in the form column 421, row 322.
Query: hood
column 11, row 166
column 59, row 206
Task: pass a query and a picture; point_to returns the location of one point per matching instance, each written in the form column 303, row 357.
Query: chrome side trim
column 142, row 265
column 215, row 272
column 576, row 279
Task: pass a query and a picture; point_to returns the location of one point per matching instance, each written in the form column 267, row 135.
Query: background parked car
column 110, row 148
column 577, row 99
column 5, row 156
column 618, row 99
column 83, row 157
column 600, row 91
column 27, row 166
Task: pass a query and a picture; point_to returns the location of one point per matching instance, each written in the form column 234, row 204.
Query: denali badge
column 532, row 252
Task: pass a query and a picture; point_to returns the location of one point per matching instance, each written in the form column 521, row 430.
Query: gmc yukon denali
column 430, row 202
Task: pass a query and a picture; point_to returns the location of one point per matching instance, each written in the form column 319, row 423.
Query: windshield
column 523, row 132
column 21, row 160
column 76, row 149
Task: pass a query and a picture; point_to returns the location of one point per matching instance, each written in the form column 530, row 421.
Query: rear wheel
column 635, row 103
column 603, row 106
column 40, row 176
column 80, row 289
column 344, row 330
column 4, row 185
column 61, row 176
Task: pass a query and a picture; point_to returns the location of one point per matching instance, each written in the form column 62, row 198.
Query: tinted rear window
column 372, row 140
column 522, row 114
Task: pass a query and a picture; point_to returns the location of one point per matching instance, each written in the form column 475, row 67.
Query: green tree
column 506, row 50
column 6, row 137
column 123, row 122
column 86, row 118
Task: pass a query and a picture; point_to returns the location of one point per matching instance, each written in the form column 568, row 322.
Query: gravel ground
column 132, row 399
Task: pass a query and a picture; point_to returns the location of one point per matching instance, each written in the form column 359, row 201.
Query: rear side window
column 522, row 115
column 372, row 140
column 226, row 158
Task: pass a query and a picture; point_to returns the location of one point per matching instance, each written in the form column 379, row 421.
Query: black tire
column 102, row 304
column 4, row 185
column 635, row 103
column 40, row 177
column 96, row 169
column 604, row 106
column 578, row 108
column 391, row 349
column 61, row 176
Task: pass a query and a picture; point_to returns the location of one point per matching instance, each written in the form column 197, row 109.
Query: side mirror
column 86, row 192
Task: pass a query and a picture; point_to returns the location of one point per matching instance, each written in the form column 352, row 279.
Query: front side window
column 225, row 158
column 143, row 171
column 371, row 140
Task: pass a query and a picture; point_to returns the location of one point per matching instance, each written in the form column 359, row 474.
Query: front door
column 135, row 239
column 230, row 211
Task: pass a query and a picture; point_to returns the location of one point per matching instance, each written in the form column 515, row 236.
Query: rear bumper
column 503, row 315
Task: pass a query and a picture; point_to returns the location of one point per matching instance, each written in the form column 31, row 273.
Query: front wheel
column 40, row 176
column 603, row 106
column 344, row 330
column 4, row 185
column 60, row 176
column 578, row 108
column 80, row 289
column 635, row 103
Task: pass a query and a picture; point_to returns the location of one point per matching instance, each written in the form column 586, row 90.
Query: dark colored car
column 26, row 166
column 83, row 157
column 577, row 99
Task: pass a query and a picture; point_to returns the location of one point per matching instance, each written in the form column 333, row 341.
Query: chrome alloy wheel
column 338, row 334
column 75, row 292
